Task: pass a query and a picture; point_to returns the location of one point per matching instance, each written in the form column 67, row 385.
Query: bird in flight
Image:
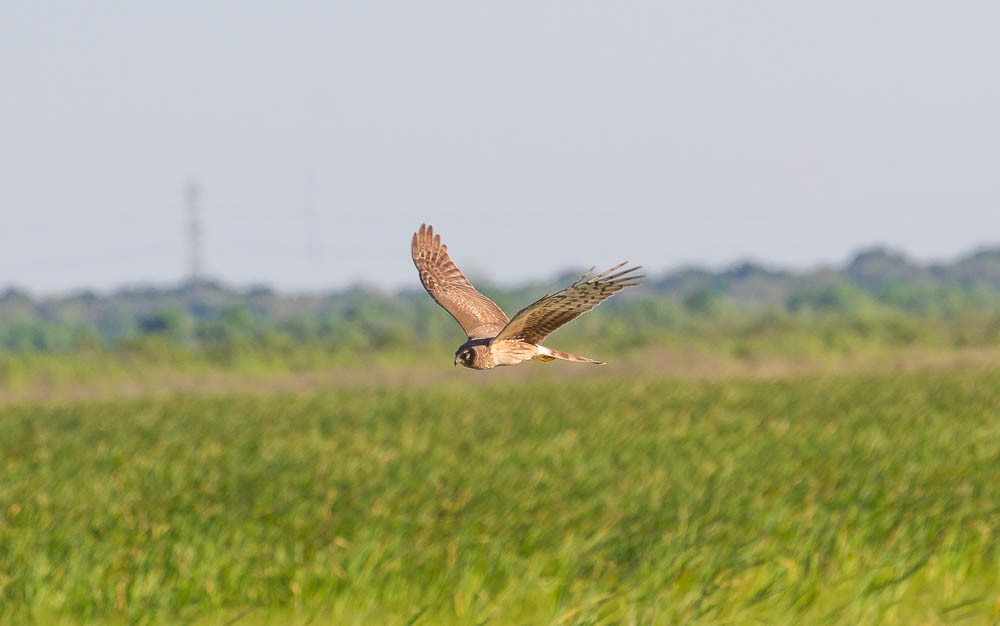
column 493, row 339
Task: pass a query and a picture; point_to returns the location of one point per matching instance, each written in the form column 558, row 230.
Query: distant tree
column 234, row 324
column 842, row 298
column 170, row 323
column 702, row 302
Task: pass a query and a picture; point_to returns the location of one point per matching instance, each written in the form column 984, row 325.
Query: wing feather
column 479, row 316
column 539, row 319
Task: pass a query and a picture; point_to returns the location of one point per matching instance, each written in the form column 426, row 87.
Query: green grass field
column 854, row 500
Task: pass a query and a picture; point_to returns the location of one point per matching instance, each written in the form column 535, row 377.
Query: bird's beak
column 456, row 362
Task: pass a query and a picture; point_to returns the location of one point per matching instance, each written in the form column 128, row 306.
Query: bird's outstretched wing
column 479, row 316
column 536, row 321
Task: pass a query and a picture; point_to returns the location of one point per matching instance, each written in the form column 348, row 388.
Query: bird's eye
column 467, row 355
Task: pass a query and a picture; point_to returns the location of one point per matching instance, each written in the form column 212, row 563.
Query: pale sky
column 534, row 135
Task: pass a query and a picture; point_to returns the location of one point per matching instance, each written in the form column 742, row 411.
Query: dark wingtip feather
column 618, row 279
column 584, row 276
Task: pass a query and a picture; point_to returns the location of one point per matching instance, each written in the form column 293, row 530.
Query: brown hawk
column 493, row 339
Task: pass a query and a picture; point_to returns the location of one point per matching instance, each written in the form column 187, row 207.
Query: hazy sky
column 534, row 135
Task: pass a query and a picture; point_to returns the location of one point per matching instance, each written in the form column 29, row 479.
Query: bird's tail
column 548, row 354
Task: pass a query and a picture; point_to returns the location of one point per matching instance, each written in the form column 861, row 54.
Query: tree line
column 878, row 296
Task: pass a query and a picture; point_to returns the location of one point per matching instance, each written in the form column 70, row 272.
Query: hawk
column 493, row 339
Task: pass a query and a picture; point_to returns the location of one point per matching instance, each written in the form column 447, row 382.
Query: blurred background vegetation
column 880, row 298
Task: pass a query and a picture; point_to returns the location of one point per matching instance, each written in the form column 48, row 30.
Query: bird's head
column 471, row 356
column 465, row 356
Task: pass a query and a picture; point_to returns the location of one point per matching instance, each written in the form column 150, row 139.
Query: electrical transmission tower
column 192, row 195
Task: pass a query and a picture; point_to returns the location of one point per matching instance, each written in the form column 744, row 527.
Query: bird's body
column 484, row 354
column 494, row 339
